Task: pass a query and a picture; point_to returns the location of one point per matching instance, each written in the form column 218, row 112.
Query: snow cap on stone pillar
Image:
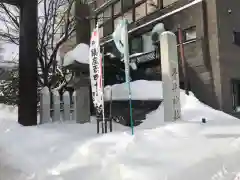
column 156, row 31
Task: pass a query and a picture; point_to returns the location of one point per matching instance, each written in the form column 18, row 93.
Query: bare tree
column 1, row 51
column 55, row 25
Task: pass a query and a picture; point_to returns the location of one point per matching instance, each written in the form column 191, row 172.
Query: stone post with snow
column 44, row 105
column 170, row 76
column 56, row 106
column 66, row 106
column 78, row 61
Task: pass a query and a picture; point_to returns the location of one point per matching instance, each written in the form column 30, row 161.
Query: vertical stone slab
column 44, row 105
column 74, row 116
column 66, row 106
column 82, row 105
column 170, row 76
column 56, row 106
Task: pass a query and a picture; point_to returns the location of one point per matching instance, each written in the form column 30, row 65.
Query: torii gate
column 27, row 106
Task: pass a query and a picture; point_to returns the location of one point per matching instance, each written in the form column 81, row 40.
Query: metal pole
column 126, row 61
column 103, row 109
column 183, row 60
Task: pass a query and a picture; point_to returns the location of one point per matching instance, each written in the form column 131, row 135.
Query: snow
column 120, row 91
column 134, row 55
column 80, row 54
column 183, row 150
column 111, row 55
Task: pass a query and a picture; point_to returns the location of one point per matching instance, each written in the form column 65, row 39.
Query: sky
column 10, row 51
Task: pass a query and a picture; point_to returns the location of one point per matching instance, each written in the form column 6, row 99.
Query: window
column 236, row 95
column 136, row 45
column 108, row 27
column 99, row 3
column 101, row 32
column 147, row 42
column 93, row 5
column 92, row 23
column 190, row 33
column 107, row 14
column 100, row 18
column 236, row 36
column 168, row 2
column 140, row 11
column 152, row 5
column 129, row 16
column 117, row 8
column 126, row 4
column 116, row 21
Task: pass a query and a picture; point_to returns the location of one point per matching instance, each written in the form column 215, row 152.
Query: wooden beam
column 27, row 110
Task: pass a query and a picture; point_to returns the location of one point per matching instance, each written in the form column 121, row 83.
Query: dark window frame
column 235, row 92
column 129, row 6
column 184, row 33
column 123, row 11
column 131, row 44
column 159, row 6
column 106, row 25
column 236, row 38
column 113, row 8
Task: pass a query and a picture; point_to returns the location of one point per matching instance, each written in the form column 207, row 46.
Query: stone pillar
column 83, row 32
column 170, row 76
column 82, row 99
column 27, row 112
column 83, row 105
column 83, row 27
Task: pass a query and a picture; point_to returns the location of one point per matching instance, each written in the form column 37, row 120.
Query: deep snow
column 184, row 150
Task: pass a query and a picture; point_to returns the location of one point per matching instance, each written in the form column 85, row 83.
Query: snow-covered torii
column 27, row 107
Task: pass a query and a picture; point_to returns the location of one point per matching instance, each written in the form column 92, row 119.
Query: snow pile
column 141, row 90
column 175, row 151
column 184, row 150
column 192, row 110
column 80, row 54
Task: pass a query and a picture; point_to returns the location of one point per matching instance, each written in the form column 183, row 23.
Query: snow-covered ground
column 185, row 150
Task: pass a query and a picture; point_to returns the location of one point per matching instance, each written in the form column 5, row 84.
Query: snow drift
column 184, row 150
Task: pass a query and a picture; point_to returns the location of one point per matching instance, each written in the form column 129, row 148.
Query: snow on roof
column 79, row 54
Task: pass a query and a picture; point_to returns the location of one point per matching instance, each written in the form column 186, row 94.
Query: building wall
column 212, row 58
column 198, row 56
column 199, row 67
column 229, row 53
